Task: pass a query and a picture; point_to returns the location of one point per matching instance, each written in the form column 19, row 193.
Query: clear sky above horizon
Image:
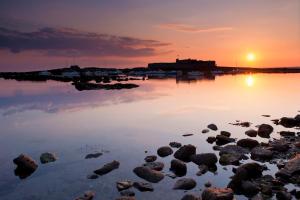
column 39, row 34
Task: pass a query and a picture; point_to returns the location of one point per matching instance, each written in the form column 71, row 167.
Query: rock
column 93, row 155
column 207, row 184
column 282, row 195
column 242, row 124
column 230, row 159
column 202, row 170
column 297, row 118
column 107, row 168
column 211, row 140
column 190, row 197
column 47, row 157
column 127, row 193
column 279, row 145
column 175, row 144
column 249, row 188
column 25, row 166
column 205, row 130
column 217, row 194
column 158, row 166
column 143, row 187
column 148, row 174
column 164, row 151
column 208, row 159
column 266, row 115
column 185, row 152
column 125, row 198
column 247, row 143
column 251, row 133
column 124, row 185
column 222, row 140
column 235, row 150
column 187, row 134
column 88, row 195
column 287, row 134
column 264, row 130
column 178, row 167
column 212, row 127
column 185, row 184
column 94, row 86
column 151, row 158
column 291, row 168
column 288, row 122
column 261, row 154
column 225, row 133
column 92, row 176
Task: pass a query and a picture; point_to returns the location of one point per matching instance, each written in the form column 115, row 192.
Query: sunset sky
column 39, row 34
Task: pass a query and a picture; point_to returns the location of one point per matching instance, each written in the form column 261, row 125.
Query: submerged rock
column 205, row 130
column 124, row 185
column 287, row 134
column 247, row 143
column 251, row 133
column 148, row 174
column 25, row 166
column 107, row 168
column 211, row 140
column 185, row 184
column 225, row 133
column 47, row 157
column 217, row 194
column 151, row 158
column 143, row 187
column 164, row 151
column 261, row 154
column 88, row 195
column 264, row 130
column 212, row 127
column 185, row 152
column 175, row 144
column 208, row 159
column 158, row 166
column 93, row 155
column 232, row 154
column 178, row 167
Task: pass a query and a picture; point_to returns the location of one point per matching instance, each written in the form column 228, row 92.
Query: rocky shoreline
column 249, row 178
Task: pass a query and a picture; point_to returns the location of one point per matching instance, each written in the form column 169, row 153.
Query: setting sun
column 251, row 57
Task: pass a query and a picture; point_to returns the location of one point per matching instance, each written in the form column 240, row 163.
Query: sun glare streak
column 249, row 81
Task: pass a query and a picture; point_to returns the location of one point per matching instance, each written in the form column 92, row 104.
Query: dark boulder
column 124, row 185
column 251, row 133
column 175, row 144
column 225, row 133
column 291, row 169
column 25, row 166
column 93, row 155
column 211, row 140
column 190, row 197
column 164, row 151
column 178, row 167
column 185, row 152
column 247, row 143
column 151, row 158
column 208, row 159
column 217, row 194
column 222, row 140
column 264, row 130
column 212, row 127
column 185, row 184
column 107, row 168
column 261, row 154
column 158, row 166
column 148, row 174
column 289, row 122
column 143, row 187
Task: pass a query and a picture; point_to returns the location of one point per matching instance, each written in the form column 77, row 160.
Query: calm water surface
column 53, row 116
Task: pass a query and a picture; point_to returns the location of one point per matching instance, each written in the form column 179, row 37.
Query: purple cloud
column 71, row 42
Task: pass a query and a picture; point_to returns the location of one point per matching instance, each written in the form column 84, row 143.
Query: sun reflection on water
column 249, row 81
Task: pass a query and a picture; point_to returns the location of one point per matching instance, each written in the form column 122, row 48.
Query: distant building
column 185, row 65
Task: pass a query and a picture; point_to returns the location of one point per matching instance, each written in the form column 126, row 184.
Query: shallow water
column 37, row 117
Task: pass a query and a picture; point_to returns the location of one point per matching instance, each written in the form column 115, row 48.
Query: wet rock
column 164, row 151
column 47, row 157
column 235, row 150
column 187, row 134
column 25, row 166
column 158, row 166
column 125, row 198
column 88, row 195
column 124, row 185
column 143, row 187
column 127, row 193
column 230, row 159
column 287, row 134
column 178, row 167
column 175, row 144
column 247, row 143
column 225, row 133
column 211, row 140
column 107, row 168
column 291, row 168
column 205, row 130
column 185, row 152
column 289, row 122
column 217, row 194
column 148, row 174
column 251, row 133
column 202, row 170
column 92, row 176
column 261, row 154
column 279, row 145
column 208, row 159
column 249, row 189
column 222, row 140
column 266, row 115
column 185, row 184
column 282, row 195
column 190, row 197
column 264, row 130
column 207, row 184
column 242, row 124
column 93, row 155
column 151, row 158
column 212, row 127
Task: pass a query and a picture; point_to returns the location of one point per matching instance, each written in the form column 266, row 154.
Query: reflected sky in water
column 55, row 117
